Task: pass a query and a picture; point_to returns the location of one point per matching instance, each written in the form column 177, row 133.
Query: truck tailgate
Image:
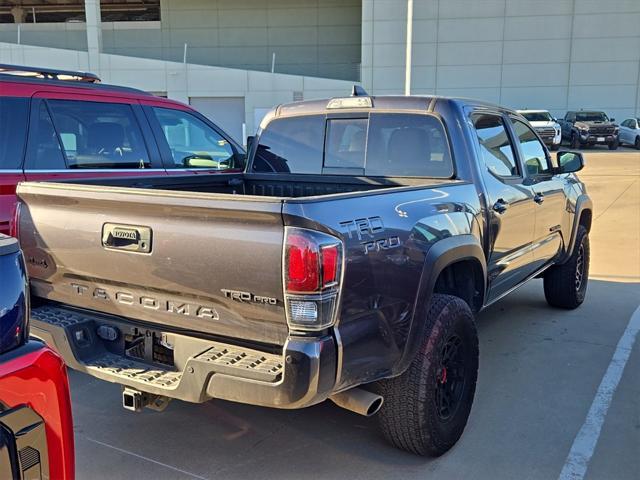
column 201, row 262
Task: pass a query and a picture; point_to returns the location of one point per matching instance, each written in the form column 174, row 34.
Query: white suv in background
column 545, row 126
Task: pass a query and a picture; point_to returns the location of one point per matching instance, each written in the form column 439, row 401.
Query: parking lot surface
column 540, row 371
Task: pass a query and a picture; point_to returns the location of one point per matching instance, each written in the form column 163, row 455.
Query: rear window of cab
column 377, row 144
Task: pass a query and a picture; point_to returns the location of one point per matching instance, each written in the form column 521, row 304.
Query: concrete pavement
column 540, row 369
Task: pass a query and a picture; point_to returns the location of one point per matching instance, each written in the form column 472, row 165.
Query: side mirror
column 569, row 162
column 612, row 119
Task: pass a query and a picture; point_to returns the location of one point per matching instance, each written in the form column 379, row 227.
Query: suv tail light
column 312, row 271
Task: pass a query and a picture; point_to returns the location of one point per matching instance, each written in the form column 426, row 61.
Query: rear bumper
column 302, row 375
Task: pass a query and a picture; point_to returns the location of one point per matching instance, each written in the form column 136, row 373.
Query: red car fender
column 39, row 379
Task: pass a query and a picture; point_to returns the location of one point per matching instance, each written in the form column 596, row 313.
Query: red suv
column 60, row 124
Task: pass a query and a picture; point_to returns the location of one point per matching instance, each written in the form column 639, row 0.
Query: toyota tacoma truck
column 36, row 431
column 584, row 128
column 545, row 126
column 347, row 262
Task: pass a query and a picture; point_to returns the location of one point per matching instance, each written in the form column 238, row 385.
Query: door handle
column 538, row 198
column 500, row 206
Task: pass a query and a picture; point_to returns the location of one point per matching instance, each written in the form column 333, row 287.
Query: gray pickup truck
column 582, row 128
column 347, row 261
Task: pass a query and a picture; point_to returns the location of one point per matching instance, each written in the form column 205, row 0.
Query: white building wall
column 261, row 90
column 553, row 54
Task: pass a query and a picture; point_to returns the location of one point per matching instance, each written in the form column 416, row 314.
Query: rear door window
column 86, row 135
column 99, row 135
column 13, row 125
column 384, row 144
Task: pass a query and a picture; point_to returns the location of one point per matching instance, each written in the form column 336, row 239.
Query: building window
column 72, row 11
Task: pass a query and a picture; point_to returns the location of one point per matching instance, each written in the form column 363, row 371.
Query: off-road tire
column 412, row 417
column 613, row 145
column 637, row 143
column 561, row 288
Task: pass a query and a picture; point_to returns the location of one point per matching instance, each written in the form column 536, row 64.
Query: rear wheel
column 426, row 408
column 565, row 286
column 637, row 143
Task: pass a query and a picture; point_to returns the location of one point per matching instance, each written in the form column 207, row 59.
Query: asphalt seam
column 142, row 457
column 616, row 199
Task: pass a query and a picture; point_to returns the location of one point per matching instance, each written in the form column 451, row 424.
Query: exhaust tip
column 375, row 406
column 359, row 401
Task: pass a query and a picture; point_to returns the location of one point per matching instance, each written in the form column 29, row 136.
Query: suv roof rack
column 48, row 73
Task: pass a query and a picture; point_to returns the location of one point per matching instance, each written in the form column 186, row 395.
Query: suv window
column 386, row 144
column 533, row 152
column 13, row 125
column 495, row 146
column 193, row 143
column 99, row 135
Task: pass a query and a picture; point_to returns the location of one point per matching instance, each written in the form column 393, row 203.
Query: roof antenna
column 358, row 91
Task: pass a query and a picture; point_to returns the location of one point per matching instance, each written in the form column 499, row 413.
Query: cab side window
column 193, row 143
column 496, row 149
column 534, row 155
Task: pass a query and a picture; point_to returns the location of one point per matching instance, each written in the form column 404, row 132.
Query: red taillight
column 312, row 273
column 303, row 266
column 330, row 257
column 312, row 262
column 14, row 224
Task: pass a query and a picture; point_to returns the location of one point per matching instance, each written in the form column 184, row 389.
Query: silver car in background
column 545, row 126
column 630, row 132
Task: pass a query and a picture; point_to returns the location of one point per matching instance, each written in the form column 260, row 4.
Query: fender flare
column 442, row 254
column 583, row 203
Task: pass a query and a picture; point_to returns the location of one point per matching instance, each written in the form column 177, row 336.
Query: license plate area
column 600, row 139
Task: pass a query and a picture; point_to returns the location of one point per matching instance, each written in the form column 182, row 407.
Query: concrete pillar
column 19, row 14
column 94, row 33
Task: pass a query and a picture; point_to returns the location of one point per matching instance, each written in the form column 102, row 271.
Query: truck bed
column 206, row 236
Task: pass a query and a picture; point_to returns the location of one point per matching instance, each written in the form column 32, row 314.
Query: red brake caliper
column 443, row 375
